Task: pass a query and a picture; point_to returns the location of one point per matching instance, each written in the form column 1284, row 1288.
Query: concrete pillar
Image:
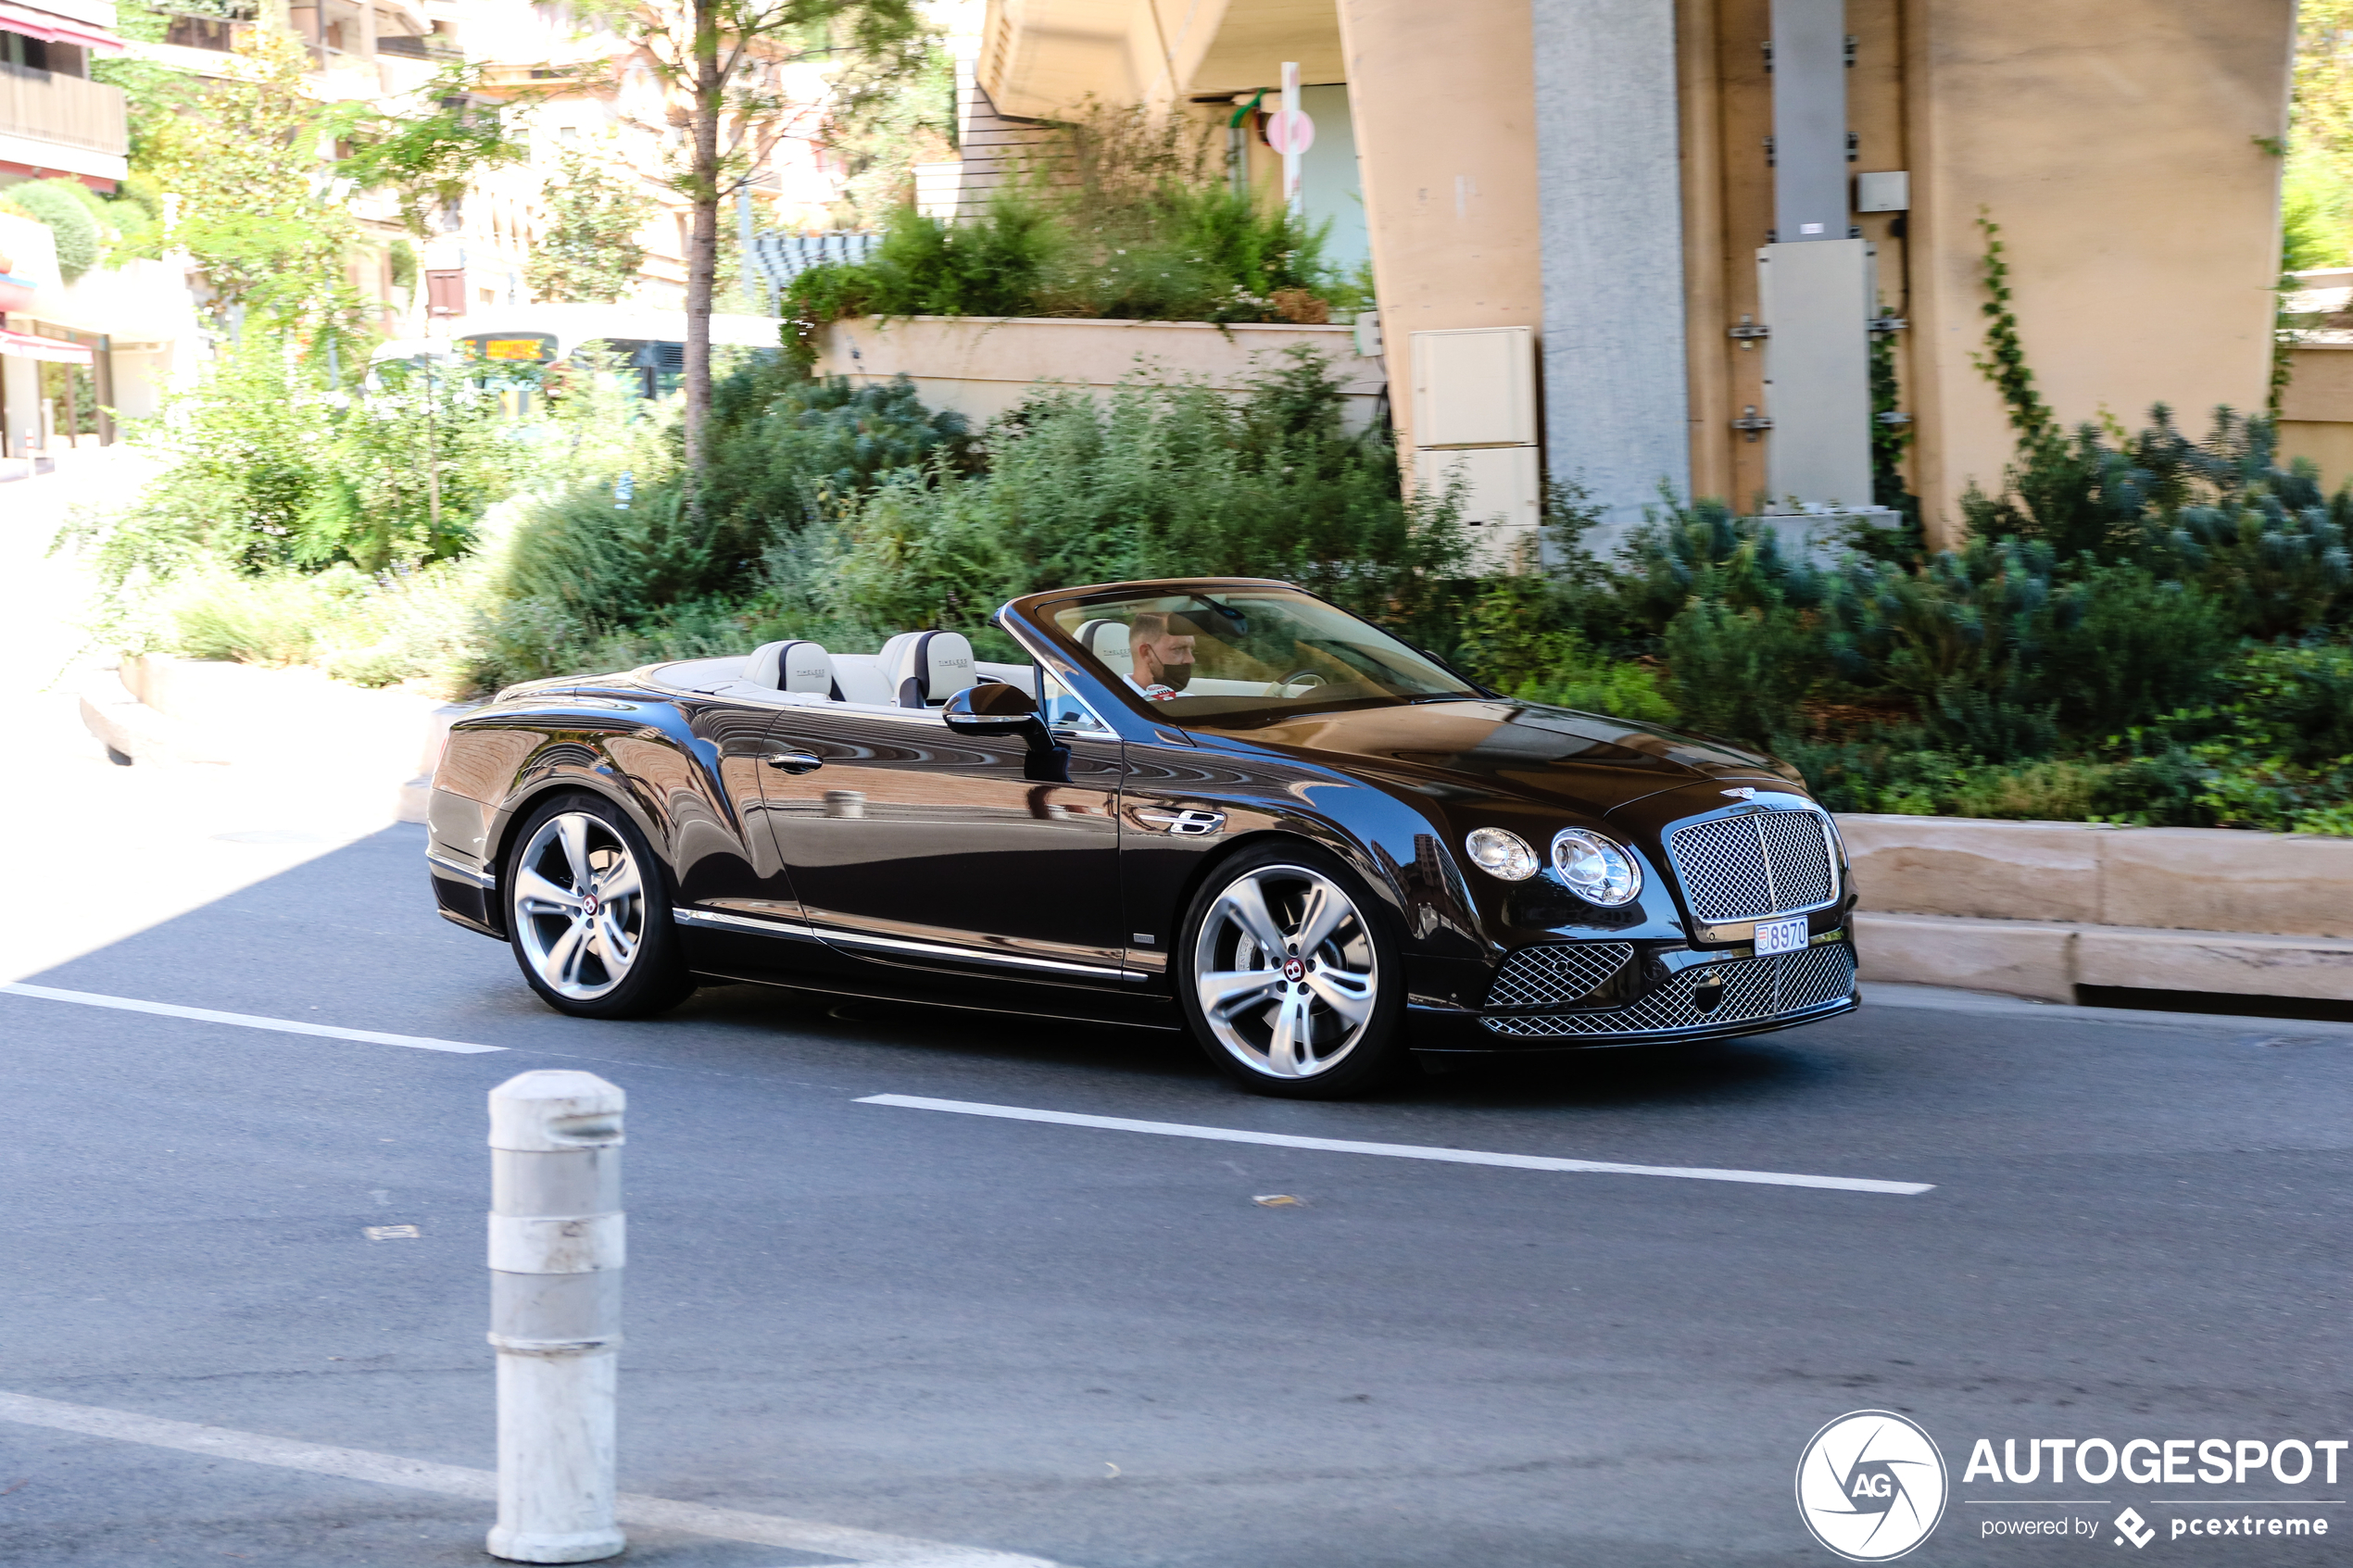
column 1609, row 185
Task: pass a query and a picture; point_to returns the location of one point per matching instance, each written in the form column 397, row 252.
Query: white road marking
column 458, row 1481
column 1396, row 1150
column 245, row 1020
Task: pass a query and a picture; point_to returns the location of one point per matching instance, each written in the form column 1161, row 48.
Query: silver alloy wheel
column 1284, row 972
column 580, row 906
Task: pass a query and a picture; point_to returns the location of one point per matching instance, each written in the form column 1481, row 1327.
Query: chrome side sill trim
column 460, row 871
column 969, row 955
column 801, row 931
column 792, row 929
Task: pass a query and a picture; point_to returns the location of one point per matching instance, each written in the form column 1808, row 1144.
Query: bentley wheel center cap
column 1293, row 970
column 588, row 904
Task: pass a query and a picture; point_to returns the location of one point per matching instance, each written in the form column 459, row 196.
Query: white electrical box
column 1503, row 493
column 1475, row 387
column 1888, row 191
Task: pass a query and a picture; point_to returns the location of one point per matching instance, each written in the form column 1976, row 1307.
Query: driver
column 1162, row 654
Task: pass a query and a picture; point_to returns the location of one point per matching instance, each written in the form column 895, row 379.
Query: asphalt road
column 1093, row 1346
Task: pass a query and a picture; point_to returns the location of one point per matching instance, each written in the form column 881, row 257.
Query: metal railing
column 48, row 107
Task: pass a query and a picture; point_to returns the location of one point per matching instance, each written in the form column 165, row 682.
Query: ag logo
column 1870, row 1486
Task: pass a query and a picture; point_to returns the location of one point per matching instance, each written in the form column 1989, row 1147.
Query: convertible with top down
column 1221, row 805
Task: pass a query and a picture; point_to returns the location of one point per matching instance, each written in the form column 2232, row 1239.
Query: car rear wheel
column 1292, row 979
column 588, row 915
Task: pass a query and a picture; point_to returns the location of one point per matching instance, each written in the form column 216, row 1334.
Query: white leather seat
column 928, row 668
column 796, row 665
column 1107, row 640
column 859, row 677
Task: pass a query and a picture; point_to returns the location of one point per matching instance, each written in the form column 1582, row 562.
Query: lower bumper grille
column 1752, row 990
column 1556, row 972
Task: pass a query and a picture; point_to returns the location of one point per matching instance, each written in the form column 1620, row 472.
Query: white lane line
column 458, row 1481
column 245, row 1020
column 1396, row 1150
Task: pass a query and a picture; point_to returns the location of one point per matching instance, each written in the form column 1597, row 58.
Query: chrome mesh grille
column 1755, row 864
column 1754, row 989
column 1556, row 971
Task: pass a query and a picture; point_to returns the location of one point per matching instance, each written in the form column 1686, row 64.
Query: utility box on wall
column 1475, row 422
column 1818, row 301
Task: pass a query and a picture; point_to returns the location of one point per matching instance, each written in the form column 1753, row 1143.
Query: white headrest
column 792, row 666
column 1107, row 640
column 928, row 668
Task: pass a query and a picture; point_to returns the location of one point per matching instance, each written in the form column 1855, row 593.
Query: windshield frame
column 1038, row 610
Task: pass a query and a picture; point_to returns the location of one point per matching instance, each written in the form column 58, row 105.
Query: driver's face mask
column 1174, row 676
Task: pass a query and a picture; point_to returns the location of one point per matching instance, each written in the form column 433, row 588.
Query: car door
column 909, row 846
column 734, row 896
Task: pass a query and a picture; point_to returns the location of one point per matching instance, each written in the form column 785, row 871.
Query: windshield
column 1249, row 655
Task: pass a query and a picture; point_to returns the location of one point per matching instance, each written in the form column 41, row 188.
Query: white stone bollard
column 555, row 1257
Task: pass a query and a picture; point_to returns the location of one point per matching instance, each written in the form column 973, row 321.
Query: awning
column 56, row 29
column 25, row 345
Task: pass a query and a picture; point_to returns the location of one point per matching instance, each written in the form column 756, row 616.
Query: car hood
column 1548, row 756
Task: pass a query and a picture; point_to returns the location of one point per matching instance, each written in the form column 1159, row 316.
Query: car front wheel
column 588, row 915
column 1292, row 979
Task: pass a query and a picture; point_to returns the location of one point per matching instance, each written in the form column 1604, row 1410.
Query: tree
column 730, row 66
column 428, row 155
column 248, row 164
column 590, row 253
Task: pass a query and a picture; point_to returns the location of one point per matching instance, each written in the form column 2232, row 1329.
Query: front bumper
column 1695, row 995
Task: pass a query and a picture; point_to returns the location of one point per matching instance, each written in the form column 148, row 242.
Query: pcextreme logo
column 1872, row 1485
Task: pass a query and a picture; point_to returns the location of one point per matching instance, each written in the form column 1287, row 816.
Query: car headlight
column 1502, row 853
column 1595, row 869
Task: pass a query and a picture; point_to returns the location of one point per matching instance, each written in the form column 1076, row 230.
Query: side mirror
column 999, row 710
column 992, row 709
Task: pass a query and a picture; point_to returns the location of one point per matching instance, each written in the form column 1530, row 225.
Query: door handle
column 793, row 761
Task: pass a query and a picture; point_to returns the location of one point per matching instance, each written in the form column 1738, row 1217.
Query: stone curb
column 133, row 729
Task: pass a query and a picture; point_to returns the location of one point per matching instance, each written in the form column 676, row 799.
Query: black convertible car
column 1221, row 805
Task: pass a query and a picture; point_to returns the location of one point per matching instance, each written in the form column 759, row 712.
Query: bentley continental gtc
column 1223, row 805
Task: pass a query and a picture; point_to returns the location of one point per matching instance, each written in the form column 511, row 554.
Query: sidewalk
column 107, row 850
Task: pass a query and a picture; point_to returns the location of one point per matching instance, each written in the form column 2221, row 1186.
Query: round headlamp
column 1595, row 870
column 1502, row 853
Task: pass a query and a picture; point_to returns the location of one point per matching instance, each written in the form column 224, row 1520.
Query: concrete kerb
column 2038, row 908
column 158, row 709
column 1945, row 998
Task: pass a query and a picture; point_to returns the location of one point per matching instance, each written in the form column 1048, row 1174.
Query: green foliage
column 1156, row 483
column 907, row 118
column 66, row 207
column 270, row 467
column 244, row 157
column 590, row 253
column 1133, row 218
column 426, row 159
column 595, row 573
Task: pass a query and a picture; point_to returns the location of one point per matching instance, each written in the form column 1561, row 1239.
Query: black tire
column 585, row 959
column 1341, row 1006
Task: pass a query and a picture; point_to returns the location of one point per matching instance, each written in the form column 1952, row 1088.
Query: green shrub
column 73, row 215
column 1152, row 483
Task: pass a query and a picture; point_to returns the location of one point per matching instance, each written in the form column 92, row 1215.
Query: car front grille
column 1754, row 990
column 1556, row 972
column 1755, row 864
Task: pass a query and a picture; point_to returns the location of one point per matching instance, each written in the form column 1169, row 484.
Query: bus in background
column 650, row 345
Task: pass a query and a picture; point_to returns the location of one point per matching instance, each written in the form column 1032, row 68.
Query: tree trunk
column 702, row 244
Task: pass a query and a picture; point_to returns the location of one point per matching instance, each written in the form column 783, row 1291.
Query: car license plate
column 1781, row 936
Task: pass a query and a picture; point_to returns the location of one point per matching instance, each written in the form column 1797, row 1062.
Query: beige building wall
column 2316, row 411
column 1444, row 101
column 2120, row 144
column 2117, row 147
